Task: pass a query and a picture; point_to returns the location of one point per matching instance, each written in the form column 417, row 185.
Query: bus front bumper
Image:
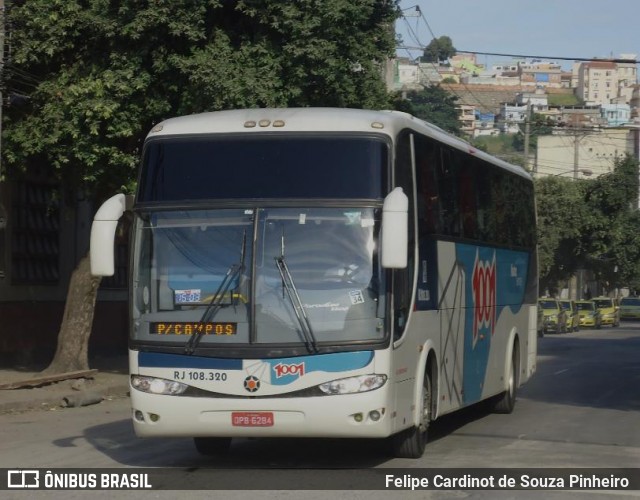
column 365, row 415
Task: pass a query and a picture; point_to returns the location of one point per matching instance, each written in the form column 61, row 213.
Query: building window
column 35, row 236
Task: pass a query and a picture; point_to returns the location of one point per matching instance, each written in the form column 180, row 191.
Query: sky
column 560, row 28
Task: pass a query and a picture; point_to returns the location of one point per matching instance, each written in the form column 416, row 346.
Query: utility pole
column 576, row 155
column 576, row 152
column 527, row 133
column 578, row 135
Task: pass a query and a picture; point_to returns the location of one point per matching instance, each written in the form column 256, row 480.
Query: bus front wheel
column 411, row 442
column 212, row 446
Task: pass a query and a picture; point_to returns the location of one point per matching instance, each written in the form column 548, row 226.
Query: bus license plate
column 252, row 418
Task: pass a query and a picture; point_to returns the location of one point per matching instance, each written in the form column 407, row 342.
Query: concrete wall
column 597, row 151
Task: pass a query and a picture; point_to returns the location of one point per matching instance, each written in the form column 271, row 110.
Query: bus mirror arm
column 395, row 230
column 103, row 231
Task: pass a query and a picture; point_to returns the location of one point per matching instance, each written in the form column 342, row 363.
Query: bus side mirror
column 395, row 230
column 103, row 232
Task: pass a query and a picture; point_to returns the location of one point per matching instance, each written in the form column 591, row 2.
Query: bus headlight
column 154, row 385
column 352, row 385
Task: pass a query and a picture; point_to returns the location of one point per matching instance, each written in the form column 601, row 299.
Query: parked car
column 542, row 322
column 556, row 317
column 573, row 319
column 609, row 311
column 630, row 308
column 589, row 314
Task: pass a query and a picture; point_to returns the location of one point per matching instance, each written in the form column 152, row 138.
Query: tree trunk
column 75, row 330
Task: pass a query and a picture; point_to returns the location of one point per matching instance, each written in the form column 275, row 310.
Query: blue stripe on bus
column 162, row 360
column 336, row 362
column 507, row 270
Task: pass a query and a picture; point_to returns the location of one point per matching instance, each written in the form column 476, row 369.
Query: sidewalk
column 109, row 382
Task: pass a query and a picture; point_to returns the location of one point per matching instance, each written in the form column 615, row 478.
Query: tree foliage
column 439, row 50
column 561, row 215
column 432, row 104
column 614, row 253
column 99, row 73
column 590, row 224
column 93, row 76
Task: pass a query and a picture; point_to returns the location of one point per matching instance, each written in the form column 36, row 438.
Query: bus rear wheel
column 411, row 442
column 211, row 446
column 506, row 402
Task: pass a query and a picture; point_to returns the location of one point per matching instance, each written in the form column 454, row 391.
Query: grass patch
column 563, row 100
column 495, row 144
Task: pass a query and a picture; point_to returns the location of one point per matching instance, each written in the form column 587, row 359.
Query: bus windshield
column 204, row 273
column 250, row 167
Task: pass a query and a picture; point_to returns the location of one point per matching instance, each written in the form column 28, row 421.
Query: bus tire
column 506, row 401
column 410, row 443
column 211, row 446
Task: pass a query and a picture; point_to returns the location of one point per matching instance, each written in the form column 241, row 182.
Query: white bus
column 322, row 273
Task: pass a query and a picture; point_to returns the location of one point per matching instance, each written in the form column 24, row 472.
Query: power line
column 418, row 13
column 529, row 56
column 414, row 36
column 524, row 56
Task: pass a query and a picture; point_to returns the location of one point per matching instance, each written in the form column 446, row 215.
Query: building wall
column 467, row 118
column 43, row 238
column 634, row 103
column 597, row 151
column 408, row 74
column 29, row 329
column 627, row 72
column 597, row 82
column 616, row 114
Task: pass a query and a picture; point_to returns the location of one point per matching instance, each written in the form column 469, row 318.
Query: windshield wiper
column 292, row 292
column 216, row 301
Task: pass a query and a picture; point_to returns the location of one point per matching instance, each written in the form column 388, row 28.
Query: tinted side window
column 448, row 187
column 520, row 214
column 403, row 278
column 467, row 196
column 462, row 196
column 428, row 200
column 487, row 230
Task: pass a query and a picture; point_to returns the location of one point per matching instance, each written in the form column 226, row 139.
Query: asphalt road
column 581, row 409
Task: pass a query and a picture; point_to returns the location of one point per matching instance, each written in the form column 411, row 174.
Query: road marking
column 561, row 371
